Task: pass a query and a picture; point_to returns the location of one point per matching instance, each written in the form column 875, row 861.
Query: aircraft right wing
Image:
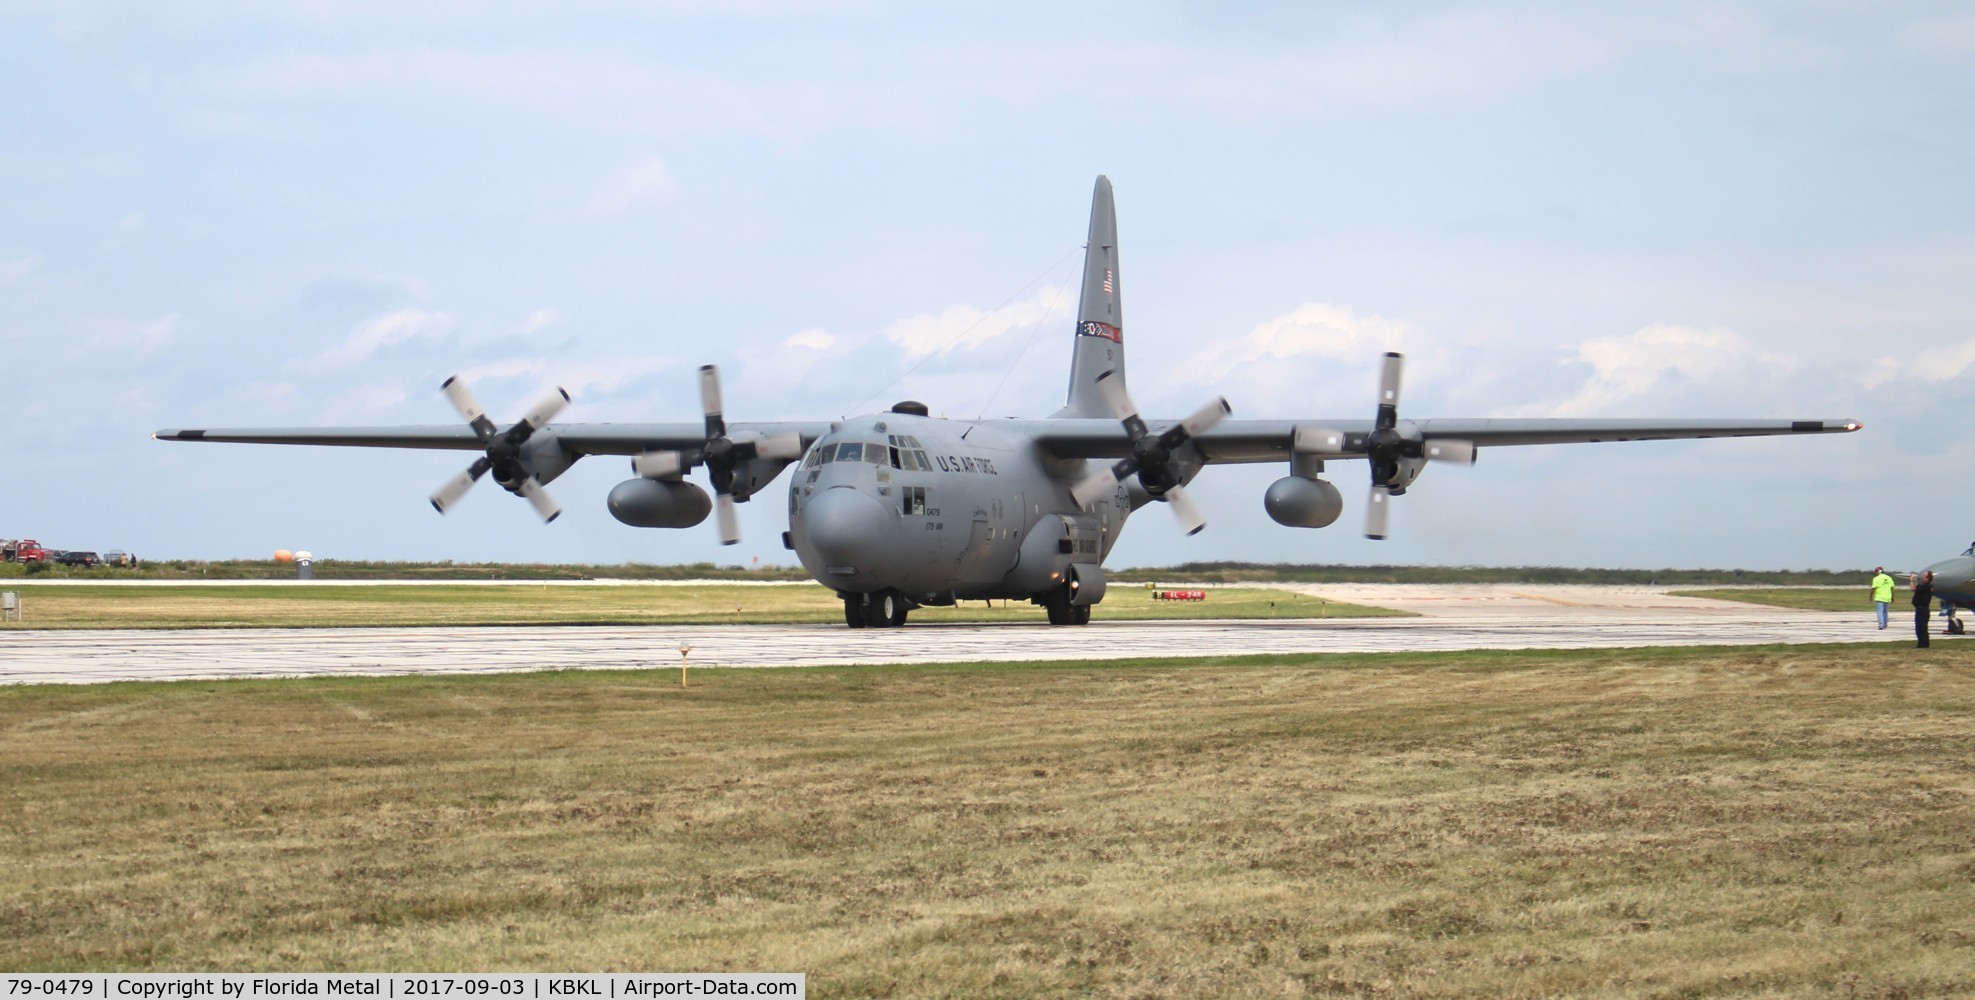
column 1249, row 441
column 1264, row 441
column 1396, row 449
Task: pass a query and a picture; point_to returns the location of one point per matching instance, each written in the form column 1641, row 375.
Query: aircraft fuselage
column 938, row 511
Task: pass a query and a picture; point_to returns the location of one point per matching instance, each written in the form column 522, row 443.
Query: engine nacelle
column 753, row 476
column 541, row 456
column 1303, row 503
column 659, row 503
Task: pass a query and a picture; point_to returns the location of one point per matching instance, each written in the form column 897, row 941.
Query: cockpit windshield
column 902, row 453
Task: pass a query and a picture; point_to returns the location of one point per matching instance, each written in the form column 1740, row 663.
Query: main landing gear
column 884, row 609
column 1061, row 611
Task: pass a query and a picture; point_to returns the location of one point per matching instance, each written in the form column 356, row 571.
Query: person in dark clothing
column 1923, row 602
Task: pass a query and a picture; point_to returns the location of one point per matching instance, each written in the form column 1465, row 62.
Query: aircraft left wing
column 740, row 458
column 578, row 439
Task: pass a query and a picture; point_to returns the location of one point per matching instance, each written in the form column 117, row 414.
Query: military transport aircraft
column 898, row 510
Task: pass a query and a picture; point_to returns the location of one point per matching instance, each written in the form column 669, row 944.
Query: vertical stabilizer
column 1100, row 339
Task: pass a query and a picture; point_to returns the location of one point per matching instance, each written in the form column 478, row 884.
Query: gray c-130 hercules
column 899, row 510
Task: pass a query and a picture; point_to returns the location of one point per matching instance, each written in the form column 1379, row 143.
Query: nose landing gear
column 884, row 609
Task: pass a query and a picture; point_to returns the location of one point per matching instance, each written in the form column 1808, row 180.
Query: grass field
column 163, row 606
column 1199, row 572
column 1776, row 822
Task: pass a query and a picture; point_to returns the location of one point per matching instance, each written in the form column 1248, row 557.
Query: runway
column 1450, row 618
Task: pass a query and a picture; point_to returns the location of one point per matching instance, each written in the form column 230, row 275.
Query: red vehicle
column 26, row 550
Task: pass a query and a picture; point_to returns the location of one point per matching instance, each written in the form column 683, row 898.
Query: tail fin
column 1100, row 340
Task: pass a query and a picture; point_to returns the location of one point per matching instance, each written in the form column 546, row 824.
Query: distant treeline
column 1195, row 572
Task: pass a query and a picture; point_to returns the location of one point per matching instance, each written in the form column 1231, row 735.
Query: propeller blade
column 1111, row 386
column 546, row 410
column 1207, row 416
column 709, row 401
column 658, row 464
column 779, row 446
column 1388, row 387
column 1378, row 512
column 1318, row 441
column 457, row 486
column 1186, row 510
column 1458, row 452
column 1096, row 486
column 468, row 407
column 537, row 497
column 730, row 522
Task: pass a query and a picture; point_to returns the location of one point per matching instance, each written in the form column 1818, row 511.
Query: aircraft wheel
column 853, row 610
column 1083, row 615
column 886, row 610
column 1060, row 610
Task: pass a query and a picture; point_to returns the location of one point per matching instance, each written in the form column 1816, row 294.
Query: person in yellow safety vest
column 1882, row 592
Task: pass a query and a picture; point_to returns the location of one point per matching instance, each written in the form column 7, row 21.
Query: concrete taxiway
column 1450, row 618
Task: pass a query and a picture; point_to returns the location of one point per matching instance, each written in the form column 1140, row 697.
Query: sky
column 247, row 213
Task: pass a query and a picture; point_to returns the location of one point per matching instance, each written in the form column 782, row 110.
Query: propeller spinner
column 1152, row 454
column 503, row 450
column 720, row 454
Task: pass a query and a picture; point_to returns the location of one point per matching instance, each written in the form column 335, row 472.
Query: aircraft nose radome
column 1953, row 574
column 846, row 527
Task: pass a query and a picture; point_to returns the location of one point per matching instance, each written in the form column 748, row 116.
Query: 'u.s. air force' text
column 965, row 463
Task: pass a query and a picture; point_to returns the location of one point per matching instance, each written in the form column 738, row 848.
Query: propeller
column 1386, row 448
column 720, row 454
column 503, row 450
column 1152, row 454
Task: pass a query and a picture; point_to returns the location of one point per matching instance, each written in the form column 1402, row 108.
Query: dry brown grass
column 1766, row 822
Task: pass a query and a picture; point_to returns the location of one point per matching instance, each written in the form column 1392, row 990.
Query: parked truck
column 22, row 550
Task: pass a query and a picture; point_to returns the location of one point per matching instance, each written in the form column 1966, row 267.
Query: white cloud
column 506, row 368
column 1311, row 330
column 390, row 330
column 1637, row 364
column 814, row 340
column 1940, row 364
column 644, row 184
column 612, row 374
column 539, row 320
column 965, row 327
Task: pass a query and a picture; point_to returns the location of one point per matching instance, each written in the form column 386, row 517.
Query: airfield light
column 684, row 649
